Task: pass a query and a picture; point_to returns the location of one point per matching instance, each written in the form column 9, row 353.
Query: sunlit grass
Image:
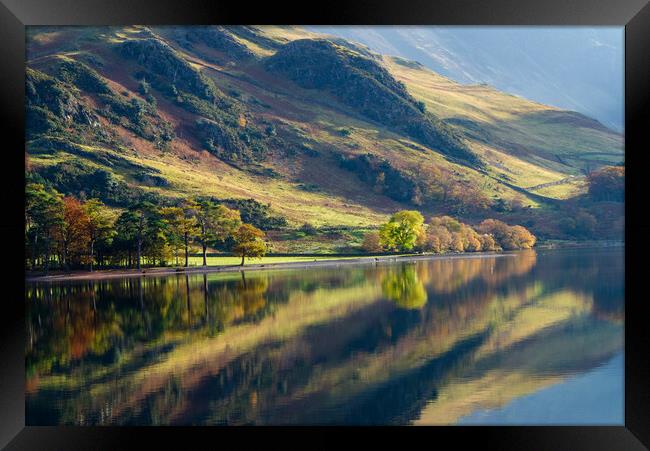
column 233, row 260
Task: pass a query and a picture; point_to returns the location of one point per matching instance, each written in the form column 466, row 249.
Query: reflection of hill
column 198, row 356
column 326, row 346
column 542, row 360
column 491, row 327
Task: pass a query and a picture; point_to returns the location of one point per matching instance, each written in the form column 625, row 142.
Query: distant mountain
column 574, row 68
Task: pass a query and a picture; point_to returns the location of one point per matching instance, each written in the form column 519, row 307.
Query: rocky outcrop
column 383, row 177
column 163, row 61
column 45, row 94
column 226, row 142
column 368, row 88
column 218, row 38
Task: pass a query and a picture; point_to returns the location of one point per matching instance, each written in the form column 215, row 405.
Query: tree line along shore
column 66, row 233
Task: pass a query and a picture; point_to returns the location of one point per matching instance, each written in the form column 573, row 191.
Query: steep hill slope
column 577, row 68
column 314, row 131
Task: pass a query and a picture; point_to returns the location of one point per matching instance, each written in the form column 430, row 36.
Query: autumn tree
column 508, row 237
column 438, row 239
column 402, row 230
column 607, row 183
column 522, row 237
column 445, row 233
column 372, row 242
column 249, row 242
column 71, row 234
column 488, row 243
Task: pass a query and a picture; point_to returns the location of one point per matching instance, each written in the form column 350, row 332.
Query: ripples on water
column 430, row 342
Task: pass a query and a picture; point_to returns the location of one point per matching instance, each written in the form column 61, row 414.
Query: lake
column 533, row 337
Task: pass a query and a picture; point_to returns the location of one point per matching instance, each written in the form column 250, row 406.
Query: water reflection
column 401, row 284
column 426, row 343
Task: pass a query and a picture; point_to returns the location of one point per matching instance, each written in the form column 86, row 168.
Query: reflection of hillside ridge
column 587, row 274
column 539, row 361
column 427, row 338
column 298, row 311
column 398, row 401
column 308, row 406
column 595, row 333
column 247, row 349
column 177, row 308
column 341, row 383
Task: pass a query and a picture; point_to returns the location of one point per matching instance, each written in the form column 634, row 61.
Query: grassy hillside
column 243, row 113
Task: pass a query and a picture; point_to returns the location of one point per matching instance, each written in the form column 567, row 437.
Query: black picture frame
column 633, row 14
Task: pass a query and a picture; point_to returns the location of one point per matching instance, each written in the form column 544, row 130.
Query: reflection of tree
column 100, row 322
column 251, row 293
column 447, row 276
column 239, row 300
column 66, row 327
column 331, row 352
column 402, row 286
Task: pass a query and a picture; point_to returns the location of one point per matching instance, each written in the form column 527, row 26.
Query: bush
column 508, row 237
column 308, row 229
column 256, row 213
column 371, row 243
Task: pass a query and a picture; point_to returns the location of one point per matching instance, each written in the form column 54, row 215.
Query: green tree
column 402, row 230
column 402, row 286
column 155, row 242
column 214, row 222
column 140, row 227
column 249, row 242
column 126, row 228
column 100, row 225
column 140, row 216
column 43, row 213
column 174, row 218
column 182, row 225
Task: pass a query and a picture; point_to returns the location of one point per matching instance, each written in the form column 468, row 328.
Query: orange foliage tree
column 506, row 236
column 72, row 235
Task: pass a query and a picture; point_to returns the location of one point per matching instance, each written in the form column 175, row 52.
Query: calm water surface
column 534, row 338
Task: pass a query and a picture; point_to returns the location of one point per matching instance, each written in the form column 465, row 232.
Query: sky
column 574, row 68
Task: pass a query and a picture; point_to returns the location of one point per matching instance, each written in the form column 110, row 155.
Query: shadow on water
column 425, row 342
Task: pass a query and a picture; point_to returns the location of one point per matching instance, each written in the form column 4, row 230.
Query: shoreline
column 162, row 271
column 109, row 273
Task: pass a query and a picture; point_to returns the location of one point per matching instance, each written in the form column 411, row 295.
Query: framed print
column 384, row 215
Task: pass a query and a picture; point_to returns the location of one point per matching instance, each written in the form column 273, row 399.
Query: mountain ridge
column 205, row 110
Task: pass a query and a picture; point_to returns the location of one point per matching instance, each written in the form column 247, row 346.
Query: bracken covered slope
column 314, row 129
